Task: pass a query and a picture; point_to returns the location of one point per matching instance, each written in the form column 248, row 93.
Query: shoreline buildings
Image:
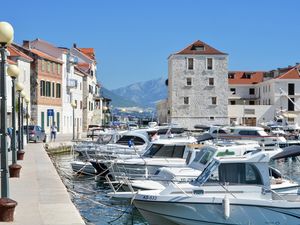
column 56, row 78
column 201, row 91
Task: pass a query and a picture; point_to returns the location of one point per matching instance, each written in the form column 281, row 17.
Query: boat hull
column 177, row 213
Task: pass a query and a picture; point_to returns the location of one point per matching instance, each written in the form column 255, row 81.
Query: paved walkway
column 42, row 198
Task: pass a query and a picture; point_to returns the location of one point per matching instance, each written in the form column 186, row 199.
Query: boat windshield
column 165, row 151
column 130, row 138
column 207, row 172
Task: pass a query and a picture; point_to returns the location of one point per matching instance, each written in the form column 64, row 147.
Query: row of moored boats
column 221, row 176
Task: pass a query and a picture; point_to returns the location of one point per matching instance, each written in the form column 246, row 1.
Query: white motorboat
column 249, row 133
column 170, row 152
column 231, row 190
column 195, row 164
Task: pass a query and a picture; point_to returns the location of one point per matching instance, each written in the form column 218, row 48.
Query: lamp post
column 14, row 168
column 22, row 119
column 73, row 104
column 27, row 115
column 6, row 37
column 19, row 88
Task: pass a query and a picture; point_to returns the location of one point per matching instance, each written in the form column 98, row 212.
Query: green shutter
column 58, row 121
column 42, row 120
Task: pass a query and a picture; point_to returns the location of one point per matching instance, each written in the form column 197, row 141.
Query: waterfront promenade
column 42, row 198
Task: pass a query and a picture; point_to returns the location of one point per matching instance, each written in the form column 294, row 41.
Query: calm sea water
column 89, row 195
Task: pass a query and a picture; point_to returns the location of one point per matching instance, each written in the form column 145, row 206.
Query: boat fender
column 226, row 207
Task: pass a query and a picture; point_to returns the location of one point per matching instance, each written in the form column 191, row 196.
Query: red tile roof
column 14, row 52
column 84, row 66
column 291, row 74
column 78, row 69
column 45, row 56
column 11, row 62
column 243, row 77
column 200, row 48
column 90, row 52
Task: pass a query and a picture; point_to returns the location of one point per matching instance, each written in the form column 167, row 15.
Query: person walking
column 53, row 131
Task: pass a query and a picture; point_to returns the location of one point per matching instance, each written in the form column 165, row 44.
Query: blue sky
column 133, row 38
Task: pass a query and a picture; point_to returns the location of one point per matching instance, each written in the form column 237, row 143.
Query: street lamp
column 6, row 37
column 23, row 95
column 27, row 116
column 19, row 88
column 14, row 168
column 73, row 104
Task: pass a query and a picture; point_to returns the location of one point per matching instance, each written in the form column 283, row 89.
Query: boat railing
column 118, row 184
column 291, row 197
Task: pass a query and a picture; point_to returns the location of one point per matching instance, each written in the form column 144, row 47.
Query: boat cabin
column 250, row 169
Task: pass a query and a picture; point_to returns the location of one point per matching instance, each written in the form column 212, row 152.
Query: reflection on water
column 89, row 196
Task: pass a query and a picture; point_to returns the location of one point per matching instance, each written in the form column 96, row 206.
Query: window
column 58, row 68
column 48, row 66
column 211, row 81
column 239, row 173
column 189, row 81
column 246, row 76
column 233, row 91
column 53, row 89
column 232, row 102
column 58, row 91
column 291, row 89
column 48, row 88
column 291, row 106
column 42, row 88
column 190, row 63
column 186, row 100
column 231, row 76
column 136, row 140
column 209, row 63
column 43, row 65
column 162, row 151
column 92, row 72
column 211, row 118
column 251, row 91
column 213, row 100
column 91, row 89
column 251, row 103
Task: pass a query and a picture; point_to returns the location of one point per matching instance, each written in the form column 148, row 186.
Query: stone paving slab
column 42, row 197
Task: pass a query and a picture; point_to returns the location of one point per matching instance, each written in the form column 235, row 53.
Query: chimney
column 26, row 44
column 74, row 45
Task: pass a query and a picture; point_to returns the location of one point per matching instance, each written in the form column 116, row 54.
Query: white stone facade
column 205, row 85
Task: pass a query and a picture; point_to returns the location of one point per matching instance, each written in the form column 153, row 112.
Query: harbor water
column 89, row 194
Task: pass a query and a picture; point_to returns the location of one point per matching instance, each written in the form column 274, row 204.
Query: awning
column 289, row 115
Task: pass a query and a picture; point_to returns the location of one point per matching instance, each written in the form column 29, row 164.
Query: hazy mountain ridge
column 145, row 94
column 117, row 100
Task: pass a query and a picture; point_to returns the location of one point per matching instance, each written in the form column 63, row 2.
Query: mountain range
column 141, row 94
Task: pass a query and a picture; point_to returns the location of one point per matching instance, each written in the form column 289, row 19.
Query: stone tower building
column 198, row 86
